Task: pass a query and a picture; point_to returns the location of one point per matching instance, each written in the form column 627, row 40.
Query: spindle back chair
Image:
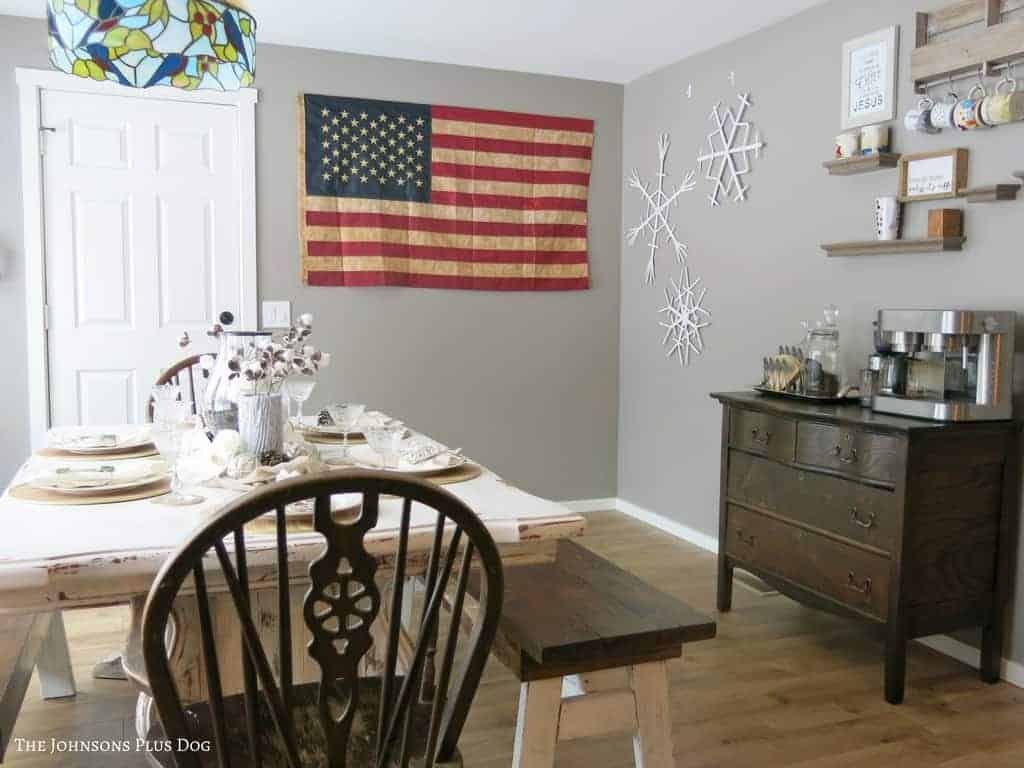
column 418, row 715
column 184, row 373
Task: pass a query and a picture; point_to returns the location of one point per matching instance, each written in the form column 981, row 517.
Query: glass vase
column 261, row 423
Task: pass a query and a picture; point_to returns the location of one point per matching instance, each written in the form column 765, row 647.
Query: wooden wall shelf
column 847, row 166
column 993, row 194
column 875, row 247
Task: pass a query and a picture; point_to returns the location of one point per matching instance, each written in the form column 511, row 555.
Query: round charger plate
column 127, row 439
column 138, row 452
column 97, row 496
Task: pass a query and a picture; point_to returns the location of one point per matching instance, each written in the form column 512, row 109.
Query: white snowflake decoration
column 726, row 155
column 656, row 215
column 685, row 317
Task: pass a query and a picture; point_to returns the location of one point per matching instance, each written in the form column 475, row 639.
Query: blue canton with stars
column 367, row 148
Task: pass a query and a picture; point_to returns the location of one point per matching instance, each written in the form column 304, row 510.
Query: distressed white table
column 81, row 556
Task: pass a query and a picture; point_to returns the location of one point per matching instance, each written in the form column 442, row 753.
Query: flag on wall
column 422, row 195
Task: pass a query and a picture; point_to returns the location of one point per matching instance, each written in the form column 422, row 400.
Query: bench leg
column 56, row 678
column 652, row 745
column 537, row 724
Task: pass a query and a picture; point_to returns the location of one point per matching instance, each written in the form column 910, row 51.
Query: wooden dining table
column 79, row 556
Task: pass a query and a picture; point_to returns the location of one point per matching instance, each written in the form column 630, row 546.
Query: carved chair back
column 423, row 688
column 189, row 375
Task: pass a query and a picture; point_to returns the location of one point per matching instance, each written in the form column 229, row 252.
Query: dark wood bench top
column 581, row 613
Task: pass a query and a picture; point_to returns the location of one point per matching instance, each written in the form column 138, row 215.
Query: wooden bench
column 569, row 629
column 28, row 642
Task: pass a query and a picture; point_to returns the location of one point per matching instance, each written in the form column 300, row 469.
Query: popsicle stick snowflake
column 659, row 203
column 727, row 151
column 685, row 317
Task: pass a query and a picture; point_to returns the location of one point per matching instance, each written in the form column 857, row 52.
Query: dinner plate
column 97, row 440
column 90, row 479
column 369, row 419
column 365, row 457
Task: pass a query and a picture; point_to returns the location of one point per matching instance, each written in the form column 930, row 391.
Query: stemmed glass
column 170, row 420
column 299, row 389
column 346, row 416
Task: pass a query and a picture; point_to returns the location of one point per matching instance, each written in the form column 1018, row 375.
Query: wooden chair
column 588, row 642
column 182, row 372
column 378, row 721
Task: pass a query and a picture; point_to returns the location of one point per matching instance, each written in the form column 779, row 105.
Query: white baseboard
column 1011, row 671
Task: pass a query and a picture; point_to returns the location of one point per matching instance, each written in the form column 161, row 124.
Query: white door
column 142, row 231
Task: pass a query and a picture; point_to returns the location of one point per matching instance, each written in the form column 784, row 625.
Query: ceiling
column 608, row 40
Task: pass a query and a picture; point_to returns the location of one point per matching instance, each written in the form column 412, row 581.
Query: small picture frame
column 932, row 175
column 870, row 70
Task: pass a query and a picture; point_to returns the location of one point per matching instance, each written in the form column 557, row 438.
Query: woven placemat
column 304, row 523
column 138, row 452
column 93, row 496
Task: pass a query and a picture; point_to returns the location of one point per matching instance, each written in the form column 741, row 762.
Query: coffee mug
column 874, row 139
column 965, row 116
column 999, row 108
column 920, row 119
column 847, row 145
column 942, row 112
column 887, row 218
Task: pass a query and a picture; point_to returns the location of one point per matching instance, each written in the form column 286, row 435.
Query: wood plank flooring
column 782, row 685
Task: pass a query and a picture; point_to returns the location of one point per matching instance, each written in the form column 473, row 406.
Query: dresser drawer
column 762, row 433
column 848, row 575
column 843, row 507
column 850, row 451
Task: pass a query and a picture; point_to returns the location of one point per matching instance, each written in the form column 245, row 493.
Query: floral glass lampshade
column 187, row 44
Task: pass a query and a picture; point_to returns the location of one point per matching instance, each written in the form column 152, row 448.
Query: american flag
column 396, row 193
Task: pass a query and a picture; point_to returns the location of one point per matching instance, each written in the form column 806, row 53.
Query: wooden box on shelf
column 945, row 222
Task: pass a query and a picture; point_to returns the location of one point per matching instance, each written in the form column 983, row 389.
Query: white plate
column 91, row 479
column 342, row 502
column 364, row 456
column 97, row 440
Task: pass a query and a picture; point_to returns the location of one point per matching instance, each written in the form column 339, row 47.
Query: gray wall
column 526, row 382
column 760, row 259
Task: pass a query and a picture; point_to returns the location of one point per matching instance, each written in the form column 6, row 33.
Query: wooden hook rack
column 968, row 37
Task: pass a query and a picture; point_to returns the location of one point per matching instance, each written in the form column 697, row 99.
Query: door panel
column 142, row 223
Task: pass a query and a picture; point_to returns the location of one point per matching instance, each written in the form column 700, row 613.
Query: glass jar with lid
column 821, row 374
column 220, row 400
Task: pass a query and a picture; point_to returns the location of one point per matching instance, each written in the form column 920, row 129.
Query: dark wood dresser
column 903, row 522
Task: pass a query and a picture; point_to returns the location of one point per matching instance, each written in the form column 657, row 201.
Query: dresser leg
column 895, row 666
column 991, row 651
column 724, row 584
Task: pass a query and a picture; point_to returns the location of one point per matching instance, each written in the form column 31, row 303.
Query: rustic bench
column 569, row 629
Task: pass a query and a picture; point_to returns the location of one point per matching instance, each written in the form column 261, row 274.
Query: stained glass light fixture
column 187, row 44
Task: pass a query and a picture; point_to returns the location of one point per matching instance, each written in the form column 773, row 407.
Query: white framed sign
column 870, row 68
column 932, row 175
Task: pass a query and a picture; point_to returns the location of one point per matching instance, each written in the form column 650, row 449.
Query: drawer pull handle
column 850, row 458
column 750, row 540
column 856, row 519
column 757, row 437
column 852, row 585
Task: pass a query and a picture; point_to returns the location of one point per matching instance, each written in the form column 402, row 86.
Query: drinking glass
column 299, row 389
column 346, row 417
column 387, row 441
column 170, row 421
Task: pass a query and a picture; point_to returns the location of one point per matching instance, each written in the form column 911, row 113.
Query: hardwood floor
column 782, row 685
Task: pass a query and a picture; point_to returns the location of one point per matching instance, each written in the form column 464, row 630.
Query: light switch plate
column 277, row 314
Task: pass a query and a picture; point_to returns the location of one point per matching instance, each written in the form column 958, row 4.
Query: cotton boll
column 226, row 445
column 325, row 359
column 306, row 320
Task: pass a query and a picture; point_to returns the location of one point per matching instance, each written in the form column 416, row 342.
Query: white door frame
column 31, row 84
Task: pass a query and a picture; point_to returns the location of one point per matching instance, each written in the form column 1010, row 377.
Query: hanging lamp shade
column 188, row 44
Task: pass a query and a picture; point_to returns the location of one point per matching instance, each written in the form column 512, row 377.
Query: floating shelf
column 874, row 247
column 847, row 166
column 995, row 193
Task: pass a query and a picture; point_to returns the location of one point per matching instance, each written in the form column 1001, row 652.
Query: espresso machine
column 959, row 363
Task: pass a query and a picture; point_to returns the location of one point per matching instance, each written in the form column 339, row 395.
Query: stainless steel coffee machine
column 959, row 363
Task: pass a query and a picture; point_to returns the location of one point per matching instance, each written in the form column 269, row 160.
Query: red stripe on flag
column 511, row 202
column 369, row 279
column 524, row 176
column 480, row 255
column 446, row 226
column 520, row 119
column 509, row 146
